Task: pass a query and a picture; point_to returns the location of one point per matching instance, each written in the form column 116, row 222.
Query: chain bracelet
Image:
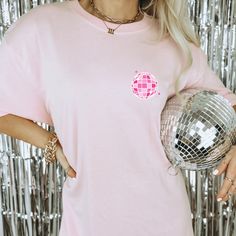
column 50, row 149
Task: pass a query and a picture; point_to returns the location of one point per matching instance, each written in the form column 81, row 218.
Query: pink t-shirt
column 60, row 66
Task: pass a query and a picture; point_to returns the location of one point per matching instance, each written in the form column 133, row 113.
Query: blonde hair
column 174, row 20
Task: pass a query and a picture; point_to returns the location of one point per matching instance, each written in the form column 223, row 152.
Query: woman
column 78, row 66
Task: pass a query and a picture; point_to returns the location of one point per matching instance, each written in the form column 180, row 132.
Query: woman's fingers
column 224, row 163
column 232, row 191
column 64, row 162
column 229, row 178
column 222, row 195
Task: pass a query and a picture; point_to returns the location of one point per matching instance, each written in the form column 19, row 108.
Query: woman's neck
column 116, row 9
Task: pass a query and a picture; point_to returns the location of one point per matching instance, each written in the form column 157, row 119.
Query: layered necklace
column 109, row 19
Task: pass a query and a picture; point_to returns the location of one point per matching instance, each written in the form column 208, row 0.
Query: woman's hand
column 64, row 162
column 228, row 164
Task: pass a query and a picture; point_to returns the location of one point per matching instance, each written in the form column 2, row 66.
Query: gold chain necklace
column 107, row 18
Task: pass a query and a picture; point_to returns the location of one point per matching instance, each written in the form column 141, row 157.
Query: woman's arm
column 203, row 77
column 24, row 129
column 28, row 131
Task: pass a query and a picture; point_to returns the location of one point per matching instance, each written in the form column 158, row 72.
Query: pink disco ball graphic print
column 144, row 85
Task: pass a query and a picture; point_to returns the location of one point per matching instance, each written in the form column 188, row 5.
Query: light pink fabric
column 59, row 66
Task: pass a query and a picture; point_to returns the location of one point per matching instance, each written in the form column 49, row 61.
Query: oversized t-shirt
column 104, row 95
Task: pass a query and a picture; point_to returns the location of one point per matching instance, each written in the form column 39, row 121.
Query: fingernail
column 72, row 173
column 215, row 172
column 219, row 199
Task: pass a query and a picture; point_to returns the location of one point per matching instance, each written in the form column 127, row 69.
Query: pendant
column 110, row 31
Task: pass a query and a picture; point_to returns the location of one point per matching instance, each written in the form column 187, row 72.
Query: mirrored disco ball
column 197, row 133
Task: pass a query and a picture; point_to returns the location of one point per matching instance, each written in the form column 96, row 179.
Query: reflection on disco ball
column 197, row 133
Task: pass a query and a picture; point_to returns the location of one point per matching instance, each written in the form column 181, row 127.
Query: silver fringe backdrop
column 30, row 190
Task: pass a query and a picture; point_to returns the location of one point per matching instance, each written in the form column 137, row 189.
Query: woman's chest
column 115, row 77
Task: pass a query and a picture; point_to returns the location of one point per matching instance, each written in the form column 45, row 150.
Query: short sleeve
column 205, row 78
column 21, row 91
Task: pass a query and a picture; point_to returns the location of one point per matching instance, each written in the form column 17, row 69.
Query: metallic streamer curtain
column 30, row 190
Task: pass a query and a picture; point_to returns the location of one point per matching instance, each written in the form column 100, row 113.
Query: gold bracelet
column 50, row 149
